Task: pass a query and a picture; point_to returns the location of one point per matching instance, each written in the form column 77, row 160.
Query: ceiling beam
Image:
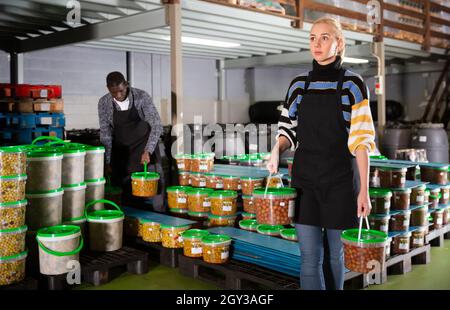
column 107, row 29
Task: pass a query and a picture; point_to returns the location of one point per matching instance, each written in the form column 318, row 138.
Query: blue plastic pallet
column 32, row 120
column 27, row 135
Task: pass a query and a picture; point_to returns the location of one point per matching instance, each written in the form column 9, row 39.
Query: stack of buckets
column 13, row 177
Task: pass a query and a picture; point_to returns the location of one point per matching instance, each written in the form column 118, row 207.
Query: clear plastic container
column 248, row 216
column 419, row 217
column 193, row 246
column 379, row 222
column 249, row 224
column 418, row 195
column 400, row 244
column 249, row 204
column 400, row 222
column 276, row 207
column 274, row 181
column 183, row 162
column 12, row 268
column 249, row 184
column 177, row 197
column 231, row 183
column 13, row 161
column 374, row 177
column 216, row 249
column 197, row 179
column 144, row 184
column 12, row 188
column 446, row 216
column 438, row 218
column 184, row 178
column 434, row 198
column 198, row 199
column 12, row 214
column 217, row 220
column 214, row 181
column 202, row 163
column 12, row 241
column 151, row 231
column 392, row 177
column 434, row 175
column 289, row 234
column 418, row 237
column 171, row 236
column 359, row 253
column 445, row 195
column 381, row 200
column 388, row 248
column 401, row 199
column 223, row 203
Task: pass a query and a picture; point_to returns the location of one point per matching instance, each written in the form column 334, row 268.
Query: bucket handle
column 60, row 254
column 93, row 202
column 42, row 138
column 360, row 226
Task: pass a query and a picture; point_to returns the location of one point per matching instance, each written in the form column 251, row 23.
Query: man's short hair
column 115, row 79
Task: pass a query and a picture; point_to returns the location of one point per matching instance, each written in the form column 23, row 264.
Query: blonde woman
column 326, row 119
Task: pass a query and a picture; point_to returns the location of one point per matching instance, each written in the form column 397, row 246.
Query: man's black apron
column 324, row 170
column 130, row 136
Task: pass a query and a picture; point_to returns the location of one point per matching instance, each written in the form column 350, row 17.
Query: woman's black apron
column 130, row 136
column 324, row 170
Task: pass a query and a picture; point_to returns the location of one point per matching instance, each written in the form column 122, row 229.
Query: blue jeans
column 312, row 253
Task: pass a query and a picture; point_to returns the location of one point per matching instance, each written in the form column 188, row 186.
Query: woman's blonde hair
column 336, row 25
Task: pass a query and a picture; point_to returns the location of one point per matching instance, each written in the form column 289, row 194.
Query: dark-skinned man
column 130, row 128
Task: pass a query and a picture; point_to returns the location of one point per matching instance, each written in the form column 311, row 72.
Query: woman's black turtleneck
column 328, row 72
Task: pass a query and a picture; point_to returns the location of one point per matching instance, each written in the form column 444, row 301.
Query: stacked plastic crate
column 29, row 111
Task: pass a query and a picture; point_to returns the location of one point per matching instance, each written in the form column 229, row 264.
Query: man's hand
column 145, row 158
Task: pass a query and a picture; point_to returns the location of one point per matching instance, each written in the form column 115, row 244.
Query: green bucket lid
column 367, row 236
column 44, row 153
column 289, row 233
column 402, row 190
column 246, row 214
column 290, row 160
column 225, row 176
column 16, row 256
column 105, row 215
column 11, row 149
column 182, row 156
column 14, row 177
column 178, row 210
column 252, row 178
column 194, row 234
column 247, row 197
column 93, row 147
column 269, row 229
column 248, row 224
column 199, row 191
column 272, row 191
column 95, row 180
column 167, row 226
column 379, row 192
column 74, row 185
column 212, row 216
column 223, row 194
column 72, row 148
column 216, row 239
column 145, row 176
column 176, row 189
column 212, row 174
column 380, row 157
column 20, row 229
column 201, row 156
column 58, row 231
column 13, row 203
column 198, row 214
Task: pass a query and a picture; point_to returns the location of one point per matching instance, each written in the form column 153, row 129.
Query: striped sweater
column 355, row 105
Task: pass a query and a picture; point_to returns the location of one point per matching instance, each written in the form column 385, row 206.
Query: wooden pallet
column 39, row 105
column 436, row 237
column 236, row 275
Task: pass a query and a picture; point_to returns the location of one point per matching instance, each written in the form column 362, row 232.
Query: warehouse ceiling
column 258, row 39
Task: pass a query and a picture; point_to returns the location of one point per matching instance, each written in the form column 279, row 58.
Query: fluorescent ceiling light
column 351, row 60
column 206, row 42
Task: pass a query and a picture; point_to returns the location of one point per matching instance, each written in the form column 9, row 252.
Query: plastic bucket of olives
column 216, row 249
column 364, row 249
column 144, row 184
column 192, row 244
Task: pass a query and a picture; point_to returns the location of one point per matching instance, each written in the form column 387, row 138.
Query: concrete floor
column 434, row 276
